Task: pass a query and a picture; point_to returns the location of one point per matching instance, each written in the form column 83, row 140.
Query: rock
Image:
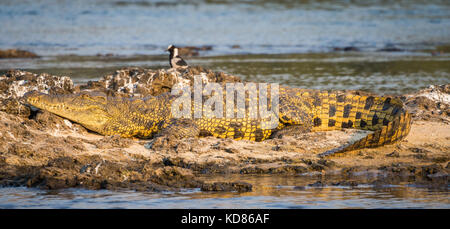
column 419, row 150
column 299, row 188
column 227, row 187
column 431, row 104
column 139, row 82
column 393, row 154
column 441, row 159
column 15, row 83
column 326, row 163
column 431, row 169
column 193, row 50
column 346, row 49
column 16, row 53
column 317, row 184
column 345, row 183
column 390, row 49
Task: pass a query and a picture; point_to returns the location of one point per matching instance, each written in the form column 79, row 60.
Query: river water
column 88, row 27
column 396, row 47
column 269, row 191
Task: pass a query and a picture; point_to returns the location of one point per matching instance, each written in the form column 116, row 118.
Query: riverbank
column 39, row 149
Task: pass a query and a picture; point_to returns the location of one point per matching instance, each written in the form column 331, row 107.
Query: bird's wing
column 178, row 61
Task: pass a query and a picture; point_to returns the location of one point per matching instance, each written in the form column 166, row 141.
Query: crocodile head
column 88, row 109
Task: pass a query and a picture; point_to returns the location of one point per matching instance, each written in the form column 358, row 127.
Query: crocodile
column 313, row 110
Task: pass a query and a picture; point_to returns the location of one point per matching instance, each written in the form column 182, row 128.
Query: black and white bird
column 174, row 59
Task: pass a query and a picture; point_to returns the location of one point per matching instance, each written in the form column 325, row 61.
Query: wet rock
column 431, row 169
column 105, row 55
column 252, row 170
column 420, row 153
column 326, row 163
column 288, row 169
column 299, row 188
column 390, row 49
column 227, row 187
column 175, row 177
column 317, row 167
column 346, row 49
column 16, row 53
column 282, row 169
column 317, row 184
column 345, row 183
column 193, row 50
column 399, row 169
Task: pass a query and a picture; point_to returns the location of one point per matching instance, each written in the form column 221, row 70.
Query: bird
column 175, row 60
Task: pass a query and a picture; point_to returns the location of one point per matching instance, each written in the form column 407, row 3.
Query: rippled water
column 269, row 192
column 87, row 27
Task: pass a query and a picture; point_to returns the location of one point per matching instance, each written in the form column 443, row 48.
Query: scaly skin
column 315, row 110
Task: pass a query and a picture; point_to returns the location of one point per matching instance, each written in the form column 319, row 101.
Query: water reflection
column 270, row 191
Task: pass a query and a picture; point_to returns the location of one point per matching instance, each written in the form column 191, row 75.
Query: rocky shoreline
column 40, row 149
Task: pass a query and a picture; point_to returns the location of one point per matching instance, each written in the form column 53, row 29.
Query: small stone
column 393, row 154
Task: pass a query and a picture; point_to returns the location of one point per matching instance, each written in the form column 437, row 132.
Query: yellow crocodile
column 313, row 109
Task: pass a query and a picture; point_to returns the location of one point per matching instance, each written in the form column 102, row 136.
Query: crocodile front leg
column 176, row 130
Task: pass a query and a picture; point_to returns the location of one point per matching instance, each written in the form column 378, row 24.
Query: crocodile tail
column 385, row 116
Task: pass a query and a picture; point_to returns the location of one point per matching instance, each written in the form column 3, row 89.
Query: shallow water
column 379, row 73
column 269, row 192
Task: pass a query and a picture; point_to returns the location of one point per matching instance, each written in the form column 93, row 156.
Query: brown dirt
column 39, row 149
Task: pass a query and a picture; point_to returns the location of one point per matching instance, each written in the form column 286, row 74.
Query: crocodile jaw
column 85, row 109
